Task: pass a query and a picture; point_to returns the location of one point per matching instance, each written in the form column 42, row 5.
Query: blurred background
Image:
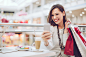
column 36, row 12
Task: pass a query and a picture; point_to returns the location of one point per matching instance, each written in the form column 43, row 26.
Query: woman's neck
column 61, row 26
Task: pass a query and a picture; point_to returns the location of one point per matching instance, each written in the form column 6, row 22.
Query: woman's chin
column 57, row 22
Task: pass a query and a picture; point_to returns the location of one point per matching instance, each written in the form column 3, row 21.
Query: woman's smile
column 56, row 20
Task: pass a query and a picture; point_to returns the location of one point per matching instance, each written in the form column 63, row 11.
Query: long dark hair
column 49, row 19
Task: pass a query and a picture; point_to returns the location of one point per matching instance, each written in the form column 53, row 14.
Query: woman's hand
column 67, row 23
column 46, row 36
column 66, row 26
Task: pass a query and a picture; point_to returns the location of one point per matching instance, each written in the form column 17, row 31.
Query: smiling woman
column 57, row 19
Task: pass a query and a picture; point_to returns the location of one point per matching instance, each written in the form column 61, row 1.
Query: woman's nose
column 54, row 17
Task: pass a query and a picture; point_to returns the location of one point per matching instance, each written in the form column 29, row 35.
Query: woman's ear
column 63, row 13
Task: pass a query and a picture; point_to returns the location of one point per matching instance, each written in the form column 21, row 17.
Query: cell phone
column 47, row 27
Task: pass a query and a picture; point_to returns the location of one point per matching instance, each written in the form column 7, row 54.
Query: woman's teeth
column 56, row 20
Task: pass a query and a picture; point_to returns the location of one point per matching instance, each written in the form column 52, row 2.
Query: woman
column 57, row 19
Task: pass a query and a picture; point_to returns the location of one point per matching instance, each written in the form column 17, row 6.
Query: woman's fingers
column 46, row 38
column 68, row 20
column 45, row 35
column 67, row 23
column 45, row 32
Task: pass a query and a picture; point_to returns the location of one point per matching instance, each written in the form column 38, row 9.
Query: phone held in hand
column 47, row 28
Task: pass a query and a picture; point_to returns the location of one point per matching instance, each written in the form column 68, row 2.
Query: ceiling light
column 83, row 12
column 72, row 15
column 84, row 9
column 80, row 14
column 70, row 11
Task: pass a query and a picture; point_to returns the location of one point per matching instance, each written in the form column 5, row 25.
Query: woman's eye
column 52, row 15
column 57, row 14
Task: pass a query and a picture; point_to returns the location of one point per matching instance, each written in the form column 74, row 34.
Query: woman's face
column 57, row 16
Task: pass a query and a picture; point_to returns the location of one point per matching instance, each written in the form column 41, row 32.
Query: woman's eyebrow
column 55, row 13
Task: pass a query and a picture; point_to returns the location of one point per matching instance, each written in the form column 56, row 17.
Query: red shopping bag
column 69, row 49
column 79, row 33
